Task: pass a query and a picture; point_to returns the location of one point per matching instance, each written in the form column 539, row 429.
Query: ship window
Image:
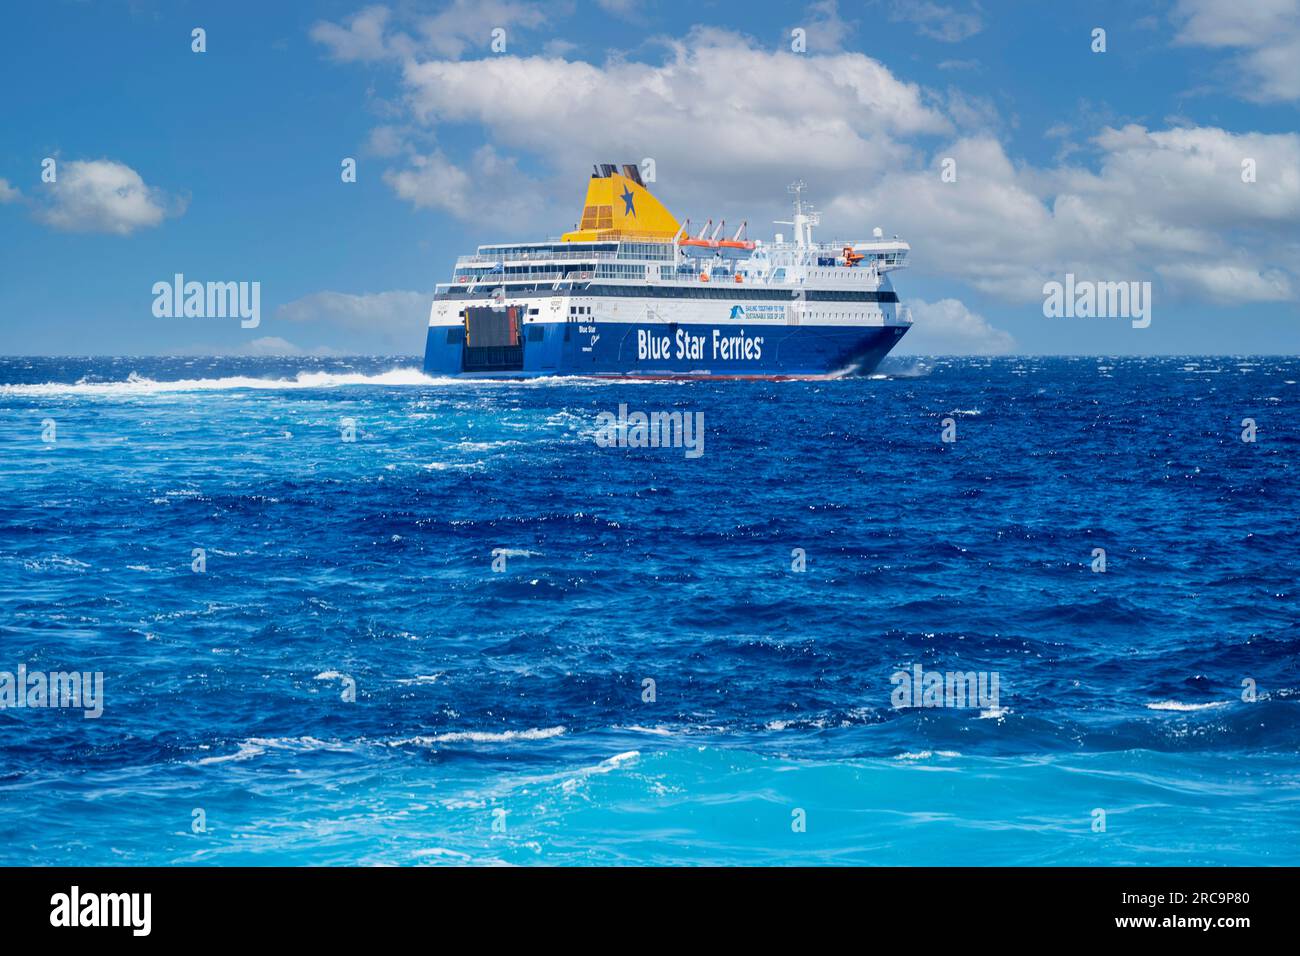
column 536, row 333
column 456, row 335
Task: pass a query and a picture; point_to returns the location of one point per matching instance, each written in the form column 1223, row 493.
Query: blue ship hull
column 666, row 351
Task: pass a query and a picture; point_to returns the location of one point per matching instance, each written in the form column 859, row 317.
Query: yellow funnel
column 619, row 207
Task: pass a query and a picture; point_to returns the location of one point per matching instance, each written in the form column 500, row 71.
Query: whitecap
column 256, row 746
column 480, row 737
column 1179, row 706
column 638, row 729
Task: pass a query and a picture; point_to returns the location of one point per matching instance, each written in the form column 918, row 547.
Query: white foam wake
column 138, row 385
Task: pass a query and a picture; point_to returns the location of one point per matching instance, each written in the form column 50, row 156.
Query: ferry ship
column 633, row 292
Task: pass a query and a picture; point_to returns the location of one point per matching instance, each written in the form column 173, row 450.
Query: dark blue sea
column 472, row 634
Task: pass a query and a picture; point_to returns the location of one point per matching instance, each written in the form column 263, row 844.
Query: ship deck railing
column 478, row 259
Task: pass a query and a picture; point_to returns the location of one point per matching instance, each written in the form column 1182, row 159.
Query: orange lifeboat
column 698, row 248
column 735, row 247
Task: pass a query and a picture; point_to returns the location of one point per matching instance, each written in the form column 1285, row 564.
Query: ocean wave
column 571, row 780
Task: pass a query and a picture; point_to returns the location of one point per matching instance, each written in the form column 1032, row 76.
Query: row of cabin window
column 722, row 290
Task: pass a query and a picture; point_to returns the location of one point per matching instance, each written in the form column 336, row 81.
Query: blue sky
column 1123, row 165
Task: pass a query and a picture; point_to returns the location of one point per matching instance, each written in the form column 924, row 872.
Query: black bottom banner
column 335, row 905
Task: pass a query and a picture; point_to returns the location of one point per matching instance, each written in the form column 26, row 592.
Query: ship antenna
column 801, row 232
column 797, row 187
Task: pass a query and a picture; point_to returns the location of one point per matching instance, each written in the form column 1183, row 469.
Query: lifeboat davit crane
column 706, row 244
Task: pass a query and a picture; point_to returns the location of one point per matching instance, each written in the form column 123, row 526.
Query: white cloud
column 103, row 196
column 1191, row 177
column 269, row 345
column 1267, row 32
column 827, row 30
column 469, row 24
column 621, row 8
column 386, row 141
column 948, row 327
column 633, row 11
column 558, row 47
column 1230, row 284
column 434, row 182
column 491, row 188
column 689, row 114
column 8, row 193
column 935, row 21
column 376, row 33
column 362, row 39
column 385, row 320
column 1233, row 23
column 1163, row 204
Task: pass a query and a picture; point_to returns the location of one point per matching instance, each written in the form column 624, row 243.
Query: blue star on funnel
column 627, row 197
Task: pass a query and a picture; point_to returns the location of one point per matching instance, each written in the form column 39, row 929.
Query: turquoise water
column 500, row 717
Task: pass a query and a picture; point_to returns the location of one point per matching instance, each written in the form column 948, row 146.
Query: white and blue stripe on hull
column 622, row 335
